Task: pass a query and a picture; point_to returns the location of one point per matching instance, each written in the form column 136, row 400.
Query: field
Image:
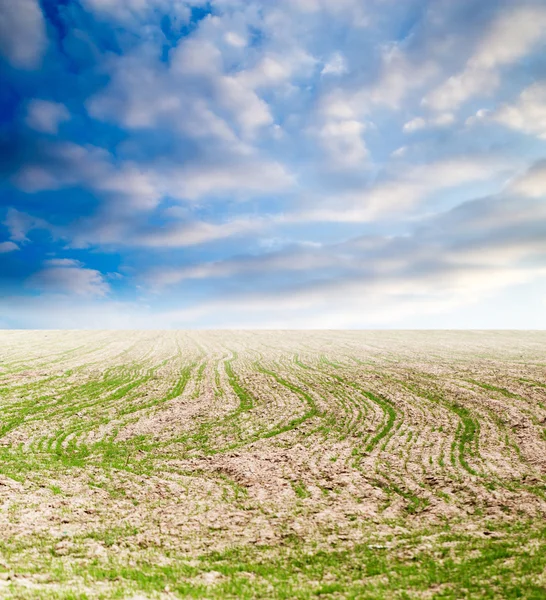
column 272, row 464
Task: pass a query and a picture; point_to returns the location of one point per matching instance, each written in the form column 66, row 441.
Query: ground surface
column 272, row 465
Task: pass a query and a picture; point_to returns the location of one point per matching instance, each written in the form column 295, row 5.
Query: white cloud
column 338, row 104
column 533, row 183
column 8, row 247
column 142, row 187
column 403, row 190
column 63, row 262
column 46, row 116
column 179, row 235
column 343, row 143
column 415, row 125
column 449, row 260
column 193, row 95
column 135, row 12
column 418, row 123
column 336, row 65
column 353, row 10
column 127, row 229
column 341, row 112
column 303, row 259
column 400, row 152
column 19, row 224
column 459, row 88
column 67, row 276
column 275, row 69
column 399, row 76
column 234, row 39
column 69, row 165
column 238, row 176
column 22, row 32
column 527, row 114
column 446, row 262
column 510, row 37
column 365, row 302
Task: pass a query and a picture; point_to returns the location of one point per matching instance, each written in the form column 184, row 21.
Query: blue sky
column 287, row 164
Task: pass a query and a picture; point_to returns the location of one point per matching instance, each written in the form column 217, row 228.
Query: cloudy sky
column 284, row 164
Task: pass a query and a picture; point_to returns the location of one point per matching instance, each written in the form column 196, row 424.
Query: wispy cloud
column 68, row 276
column 510, row 36
column 8, row 246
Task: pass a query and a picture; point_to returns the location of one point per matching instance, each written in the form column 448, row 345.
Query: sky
column 273, row 164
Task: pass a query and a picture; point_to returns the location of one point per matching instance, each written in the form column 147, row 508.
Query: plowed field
column 281, row 464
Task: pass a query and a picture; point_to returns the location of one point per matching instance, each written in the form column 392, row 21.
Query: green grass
column 494, row 388
column 444, row 564
column 246, row 400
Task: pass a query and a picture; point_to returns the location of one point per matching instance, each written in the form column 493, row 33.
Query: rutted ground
column 272, row 464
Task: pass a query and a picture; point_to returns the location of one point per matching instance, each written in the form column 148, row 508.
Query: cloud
column 135, row 13
column 512, row 34
column 343, row 143
column 415, row 125
column 180, row 235
column 393, row 302
column 355, row 10
column 59, row 165
column 533, row 183
column 117, row 226
column 527, row 114
column 212, row 117
column 337, row 65
column 448, row 260
column 276, row 69
column 8, row 247
column 399, row 193
column 63, row 262
column 46, row 116
column 22, row 33
column 234, row 39
column 419, row 123
column 19, row 224
column 399, row 75
column 193, row 94
column 67, row 276
column 131, row 230
column 237, row 175
column 402, row 190
column 300, row 259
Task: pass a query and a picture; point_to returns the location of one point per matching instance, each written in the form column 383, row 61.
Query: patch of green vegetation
column 494, row 388
column 467, row 433
column 436, row 562
column 300, row 490
column 386, row 405
column 199, row 380
column 465, row 440
column 329, row 363
column 246, row 400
